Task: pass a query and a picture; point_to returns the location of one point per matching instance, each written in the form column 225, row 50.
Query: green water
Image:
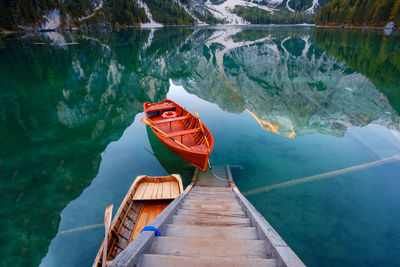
column 71, row 141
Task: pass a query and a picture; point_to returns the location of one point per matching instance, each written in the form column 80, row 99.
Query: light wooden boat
column 195, row 141
column 145, row 200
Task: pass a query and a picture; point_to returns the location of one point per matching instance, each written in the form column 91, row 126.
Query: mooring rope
column 77, row 229
column 322, row 175
column 219, row 178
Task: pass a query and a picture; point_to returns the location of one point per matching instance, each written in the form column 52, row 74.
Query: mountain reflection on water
column 62, row 105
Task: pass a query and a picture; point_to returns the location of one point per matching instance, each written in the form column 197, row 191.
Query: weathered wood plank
column 210, row 247
column 152, row 214
column 166, row 190
column 217, row 213
column 211, row 207
column 210, row 221
column 149, row 191
column 214, row 232
column 140, row 191
column 174, row 189
column 155, row 191
column 160, row 191
column 141, row 221
column 148, row 260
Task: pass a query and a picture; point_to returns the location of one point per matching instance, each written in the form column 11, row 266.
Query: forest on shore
column 87, row 13
column 32, row 14
column 359, row 13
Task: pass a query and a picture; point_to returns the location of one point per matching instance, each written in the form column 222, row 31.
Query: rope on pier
column 323, row 175
column 92, row 226
column 219, row 178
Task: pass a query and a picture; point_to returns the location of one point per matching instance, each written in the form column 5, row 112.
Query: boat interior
column 145, row 200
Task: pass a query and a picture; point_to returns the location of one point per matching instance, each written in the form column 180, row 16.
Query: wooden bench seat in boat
column 201, row 147
column 153, row 191
column 180, row 133
column 171, row 120
column 159, row 107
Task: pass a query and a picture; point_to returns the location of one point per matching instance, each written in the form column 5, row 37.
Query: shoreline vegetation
column 42, row 16
column 119, row 27
column 367, row 13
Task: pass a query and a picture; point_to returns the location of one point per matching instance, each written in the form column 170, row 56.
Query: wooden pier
column 210, row 224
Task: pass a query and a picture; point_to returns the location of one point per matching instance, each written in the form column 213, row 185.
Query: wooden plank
column 196, row 247
column 174, row 189
column 185, row 132
column 172, row 261
column 213, row 232
column 211, row 207
column 152, row 214
column 141, row 221
column 155, row 191
column 161, row 207
column 160, row 191
column 140, row 191
column 149, row 190
column 166, row 190
column 217, row 213
column 211, row 221
column 171, row 120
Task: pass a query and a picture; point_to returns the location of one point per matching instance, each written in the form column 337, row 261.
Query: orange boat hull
column 184, row 134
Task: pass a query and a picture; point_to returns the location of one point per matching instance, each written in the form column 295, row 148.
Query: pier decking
column 210, row 224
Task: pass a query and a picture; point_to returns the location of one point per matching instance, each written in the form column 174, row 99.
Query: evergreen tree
column 395, row 14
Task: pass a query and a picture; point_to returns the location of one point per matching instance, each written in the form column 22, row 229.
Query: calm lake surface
column 311, row 114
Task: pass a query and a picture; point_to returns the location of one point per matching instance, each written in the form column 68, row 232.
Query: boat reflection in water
column 168, row 160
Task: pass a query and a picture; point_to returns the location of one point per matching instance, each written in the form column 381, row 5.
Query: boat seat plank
column 172, row 119
column 166, row 190
column 160, row 191
column 159, row 107
column 140, row 191
column 149, row 191
column 201, row 147
column 174, row 189
column 185, row 132
column 155, row 191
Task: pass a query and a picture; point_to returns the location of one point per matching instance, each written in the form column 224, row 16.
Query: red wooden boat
column 180, row 131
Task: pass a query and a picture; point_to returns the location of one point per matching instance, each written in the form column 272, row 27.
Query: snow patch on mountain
column 288, row 7
column 313, row 7
column 189, row 11
column 225, row 10
column 97, row 6
column 52, row 20
column 152, row 23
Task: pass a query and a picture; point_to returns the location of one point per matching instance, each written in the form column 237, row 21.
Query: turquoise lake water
column 290, row 105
